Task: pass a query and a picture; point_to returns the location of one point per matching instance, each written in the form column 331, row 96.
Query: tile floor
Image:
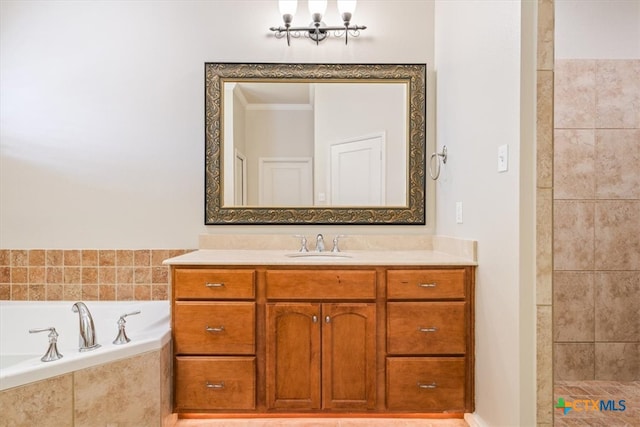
column 324, row 422
column 576, row 393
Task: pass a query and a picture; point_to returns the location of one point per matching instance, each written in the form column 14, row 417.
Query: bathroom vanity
column 364, row 332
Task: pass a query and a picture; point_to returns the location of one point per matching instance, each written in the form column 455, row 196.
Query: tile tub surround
column 596, row 220
column 134, row 392
column 85, row 274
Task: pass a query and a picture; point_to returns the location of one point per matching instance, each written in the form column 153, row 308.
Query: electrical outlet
column 458, row 212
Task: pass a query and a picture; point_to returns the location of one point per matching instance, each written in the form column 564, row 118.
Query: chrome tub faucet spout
column 87, row 338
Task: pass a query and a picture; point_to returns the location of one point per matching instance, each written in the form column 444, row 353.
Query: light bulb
column 288, row 7
column 347, row 6
column 317, row 6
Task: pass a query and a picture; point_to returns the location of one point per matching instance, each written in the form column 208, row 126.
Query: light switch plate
column 458, row 212
column 503, row 158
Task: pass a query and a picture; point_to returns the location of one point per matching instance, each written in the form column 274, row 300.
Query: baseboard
column 474, row 420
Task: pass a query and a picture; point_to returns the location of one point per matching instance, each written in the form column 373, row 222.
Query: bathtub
column 20, row 351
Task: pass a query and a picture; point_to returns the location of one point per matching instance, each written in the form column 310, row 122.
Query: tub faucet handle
column 52, row 352
column 122, row 337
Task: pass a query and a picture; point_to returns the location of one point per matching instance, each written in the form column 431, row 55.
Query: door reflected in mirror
column 317, row 143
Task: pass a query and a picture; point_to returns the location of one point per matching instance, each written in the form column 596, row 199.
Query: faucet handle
column 52, row 352
column 303, row 243
column 122, row 337
column 335, row 243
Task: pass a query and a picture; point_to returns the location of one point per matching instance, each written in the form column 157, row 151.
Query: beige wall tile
column 574, row 94
column 125, row 392
column 37, row 257
column 574, row 164
column 617, row 239
column 617, row 162
column 617, row 361
column 72, row 257
column 544, row 246
column 544, row 130
column 544, row 364
column 546, row 25
column 573, row 361
column 618, row 93
column 89, row 257
column 55, row 257
column 573, row 244
column 124, row 258
column 107, row 257
column 617, row 306
column 573, row 306
column 19, row 258
column 48, row 402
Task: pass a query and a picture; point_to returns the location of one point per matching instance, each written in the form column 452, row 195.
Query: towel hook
column 437, row 156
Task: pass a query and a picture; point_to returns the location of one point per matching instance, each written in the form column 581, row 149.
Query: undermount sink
column 319, row 255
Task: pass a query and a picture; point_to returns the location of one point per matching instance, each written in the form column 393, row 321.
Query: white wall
column 102, row 112
column 597, row 29
column 479, row 100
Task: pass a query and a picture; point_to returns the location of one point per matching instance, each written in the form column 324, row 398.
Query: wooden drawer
column 426, row 327
column 323, row 284
column 426, row 384
column 425, row 284
column 200, row 283
column 214, row 327
column 208, row 383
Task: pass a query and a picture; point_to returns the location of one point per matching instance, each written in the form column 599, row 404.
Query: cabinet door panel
column 348, row 356
column 293, row 356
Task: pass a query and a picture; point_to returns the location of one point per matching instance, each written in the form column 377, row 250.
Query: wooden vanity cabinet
column 322, row 339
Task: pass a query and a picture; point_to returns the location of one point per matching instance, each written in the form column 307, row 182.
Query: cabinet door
column 348, row 356
column 293, row 356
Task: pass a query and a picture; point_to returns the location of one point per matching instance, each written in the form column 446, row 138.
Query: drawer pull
column 427, row 386
column 430, row 329
column 427, row 285
column 216, row 386
column 214, row 285
column 214, row 329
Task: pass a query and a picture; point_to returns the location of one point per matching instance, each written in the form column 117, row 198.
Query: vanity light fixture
column 317, row 30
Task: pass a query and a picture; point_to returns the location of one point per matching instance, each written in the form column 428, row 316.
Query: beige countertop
column 288, row 257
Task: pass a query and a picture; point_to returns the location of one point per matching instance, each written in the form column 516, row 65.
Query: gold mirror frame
column 414, row 213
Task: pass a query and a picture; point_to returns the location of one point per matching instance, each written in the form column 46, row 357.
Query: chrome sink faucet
column 319, row 243
column 87, row 338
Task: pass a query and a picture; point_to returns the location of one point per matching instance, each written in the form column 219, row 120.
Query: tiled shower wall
column 596, row 225
column 85, row 274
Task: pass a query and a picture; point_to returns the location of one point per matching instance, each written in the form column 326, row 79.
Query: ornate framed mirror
column 315, row 143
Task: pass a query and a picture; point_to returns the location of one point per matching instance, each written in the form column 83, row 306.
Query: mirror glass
column 309, row 143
